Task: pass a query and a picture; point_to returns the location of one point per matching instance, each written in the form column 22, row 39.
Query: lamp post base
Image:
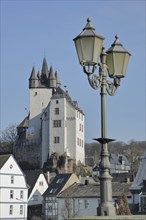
column 106, row 209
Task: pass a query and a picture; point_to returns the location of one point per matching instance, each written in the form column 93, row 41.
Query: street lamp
column 113, row 63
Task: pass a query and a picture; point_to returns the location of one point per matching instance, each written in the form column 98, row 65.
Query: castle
column 55, row 123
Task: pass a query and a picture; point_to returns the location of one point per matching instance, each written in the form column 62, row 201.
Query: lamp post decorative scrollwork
column 113, row 63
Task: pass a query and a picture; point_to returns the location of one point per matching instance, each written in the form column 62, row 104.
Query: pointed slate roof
column 33, row 74
column 60, row 93
column 31, row 178
column 45, row 71
column 3, row 159
column 57, row 184
column 24, row 123
column 57, row 78
column 141, row 174
column 51, row 73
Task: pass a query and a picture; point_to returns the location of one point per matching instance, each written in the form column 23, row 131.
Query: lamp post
column 113, row 63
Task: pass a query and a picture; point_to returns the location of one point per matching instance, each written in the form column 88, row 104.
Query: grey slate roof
column 141, row 174
column 24, row 123
column 60, row 93
column 57, row 184
column 45, row 71
column 93, row 190
column 31, row 178
column 114, row 159
column 3, row 159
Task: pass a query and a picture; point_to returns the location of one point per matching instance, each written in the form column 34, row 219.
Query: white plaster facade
column 13, row 190
column 39, row 99
column 77, row 207
column 41, row 185
column 70, row 134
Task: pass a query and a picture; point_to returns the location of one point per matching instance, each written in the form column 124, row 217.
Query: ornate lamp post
column 113, row 63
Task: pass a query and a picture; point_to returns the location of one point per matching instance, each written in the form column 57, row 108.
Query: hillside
column 133, row 150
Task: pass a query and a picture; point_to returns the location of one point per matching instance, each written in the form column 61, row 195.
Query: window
column 41, row 183
column 50, row 208
column 86, row 202
column 12, row 179
column 56, row 140
column 21, row 209
column 21, row 194
column 35, row 198
column 11, row 210
column 56, row 123
column 56, row 111
column 57, row 101
column 11, row 194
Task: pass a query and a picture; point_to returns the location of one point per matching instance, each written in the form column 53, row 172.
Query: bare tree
column 8, row 138
column 68, row 210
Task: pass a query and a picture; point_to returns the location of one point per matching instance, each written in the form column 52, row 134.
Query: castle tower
column 40, row 94
column 33, row 81
column 52, row 78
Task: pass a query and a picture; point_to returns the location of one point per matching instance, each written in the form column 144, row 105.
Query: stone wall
column 28, row 154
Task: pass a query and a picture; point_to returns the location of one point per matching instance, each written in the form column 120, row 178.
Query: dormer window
column 60, row 180
column 53, row 190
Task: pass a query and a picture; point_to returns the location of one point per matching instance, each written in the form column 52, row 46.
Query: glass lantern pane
column 110, row 64
column 79, row 50
column 119, row 63
column 126, row 60
column 87, row 48
column 97, row 49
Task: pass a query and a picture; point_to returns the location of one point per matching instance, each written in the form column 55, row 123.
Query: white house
column 55, row 122
column 59, row 183
column 83, row 199
column 13, row 190
column 138, row 188
column 38, row 184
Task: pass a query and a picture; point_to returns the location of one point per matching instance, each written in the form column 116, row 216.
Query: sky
column 32, row 30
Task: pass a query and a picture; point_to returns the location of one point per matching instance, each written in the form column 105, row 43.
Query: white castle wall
column 39, row 99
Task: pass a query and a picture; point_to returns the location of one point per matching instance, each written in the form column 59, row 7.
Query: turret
column 58, row 83
column 44, row 72
column 52, row 78
column 33, row 81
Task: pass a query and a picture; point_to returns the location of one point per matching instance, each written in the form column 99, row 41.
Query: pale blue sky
column 32, row 29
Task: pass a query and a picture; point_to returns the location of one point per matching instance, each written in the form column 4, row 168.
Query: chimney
column 48, row 176
column 86, row 182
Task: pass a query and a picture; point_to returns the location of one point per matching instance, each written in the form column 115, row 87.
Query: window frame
column 21, row 194
column 12, row 179
column 56, row 110
column 11, row 194
column 11, row 210
column 56, row 140
column 57, row 123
